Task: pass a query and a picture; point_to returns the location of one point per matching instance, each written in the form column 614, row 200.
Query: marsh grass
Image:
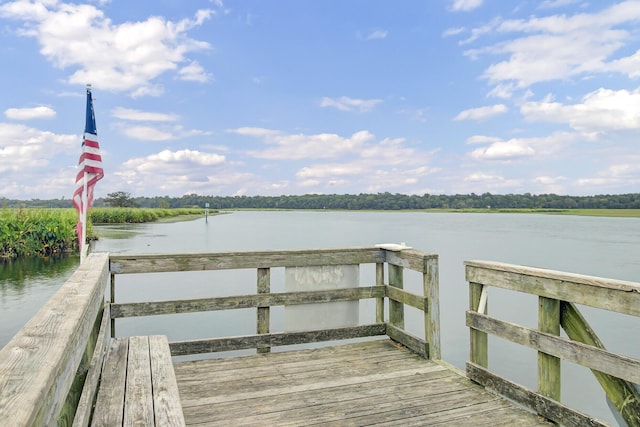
column 47, row 232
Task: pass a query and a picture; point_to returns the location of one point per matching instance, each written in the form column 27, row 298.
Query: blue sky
column 296, row 96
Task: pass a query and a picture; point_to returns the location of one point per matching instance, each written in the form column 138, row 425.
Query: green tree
column 120, row 199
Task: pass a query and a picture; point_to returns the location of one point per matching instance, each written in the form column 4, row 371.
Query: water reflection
column 25, row 285
column 21, row 273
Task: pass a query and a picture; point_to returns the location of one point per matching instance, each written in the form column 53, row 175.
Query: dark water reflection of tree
column 17, row 274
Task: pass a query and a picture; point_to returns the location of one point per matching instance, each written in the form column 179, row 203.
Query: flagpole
column 85, row 201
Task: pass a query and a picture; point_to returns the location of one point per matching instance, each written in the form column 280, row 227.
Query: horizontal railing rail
column 264, row 299
column 43, row 368
column 558, row 293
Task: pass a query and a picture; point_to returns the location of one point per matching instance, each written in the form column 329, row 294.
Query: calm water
column 608, row 247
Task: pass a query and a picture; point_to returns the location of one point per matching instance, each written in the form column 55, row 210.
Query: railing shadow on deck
column 558, row 293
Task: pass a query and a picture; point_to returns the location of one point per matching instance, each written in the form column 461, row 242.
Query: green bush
column 28, row 232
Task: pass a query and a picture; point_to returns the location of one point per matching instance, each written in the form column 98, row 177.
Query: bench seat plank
column 138, row 385
column 138, row 403
column 110, row 401
column 166, row 398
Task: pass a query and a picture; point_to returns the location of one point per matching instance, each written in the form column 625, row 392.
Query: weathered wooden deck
column 371, row 383
column 59, row 369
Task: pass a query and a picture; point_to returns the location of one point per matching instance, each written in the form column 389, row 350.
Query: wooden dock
column 372, row 383
column 67, row 366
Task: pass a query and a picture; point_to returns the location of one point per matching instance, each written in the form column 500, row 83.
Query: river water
column 607, row 247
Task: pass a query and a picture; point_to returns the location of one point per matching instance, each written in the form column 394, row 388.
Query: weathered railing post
column 264, row 287
column 432, row 309
column 379, row 301
column 549, row 366
column 479, row 346
column 396, row 308
column 112, row 296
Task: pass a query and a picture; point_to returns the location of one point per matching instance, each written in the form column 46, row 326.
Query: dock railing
column 58, row 353
column 51, row 370
column 558, row 293
column 396, row 261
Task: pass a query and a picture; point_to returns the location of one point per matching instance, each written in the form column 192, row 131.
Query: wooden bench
column 138, row 385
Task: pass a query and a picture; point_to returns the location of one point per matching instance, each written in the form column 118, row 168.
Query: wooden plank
column 166, row 399
column 478, row 340
column 263, row 313
column 582, row 354
column 244, row 301
column 182, row 348
column 548, row 408
column 431, row 290
column 410, row 258
column 609, row 294
column 624, row 396
column 109, row 408
column 396, row 309
column 138, row 397
column 90, row 387
column 379, row 300
column 381, row 347
column 145, row 263
column 348, row 390
column 39, row 365
column 360, row 396
column 548, row 365
column 404, row 297
column 410, row 341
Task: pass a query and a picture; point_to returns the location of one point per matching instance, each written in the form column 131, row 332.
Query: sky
column 255, row 97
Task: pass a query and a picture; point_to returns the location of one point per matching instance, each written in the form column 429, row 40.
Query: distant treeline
column 379, row 201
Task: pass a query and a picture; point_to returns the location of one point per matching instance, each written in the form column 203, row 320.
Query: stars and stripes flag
column 90, row 171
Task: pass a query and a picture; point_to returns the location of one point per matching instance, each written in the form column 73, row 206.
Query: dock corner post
column 396, row 308
column 112, row 296
column 478, row 341
column 549, row 366
column 431, row 290
column 379, row 301
column 264, row 287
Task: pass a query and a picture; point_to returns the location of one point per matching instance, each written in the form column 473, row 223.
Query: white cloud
column 147, row 133
column 625, row 174
column 345, row 103
column 319, row 146
column 28, row 159
column 253, row 131
column 601, row 110
column 465, row 5
column 552, row 4
column 453, row 31
column 559, row 47
column 482, row 112
column 548, row 180
column 194, row 72
column 481, row 139
column 483, row 177
column 503, row 150
column 376, row 34
column 118, row 57
column 517, row 148
column 163, row 133
column 41, row 112
column 137, row 115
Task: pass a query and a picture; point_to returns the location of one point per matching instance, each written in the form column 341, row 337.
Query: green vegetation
column 138, row 215
column 45, row 232
column 378, row 201
column 120, row 199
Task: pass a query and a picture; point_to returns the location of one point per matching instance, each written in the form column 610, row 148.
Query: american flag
column 90, row 172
